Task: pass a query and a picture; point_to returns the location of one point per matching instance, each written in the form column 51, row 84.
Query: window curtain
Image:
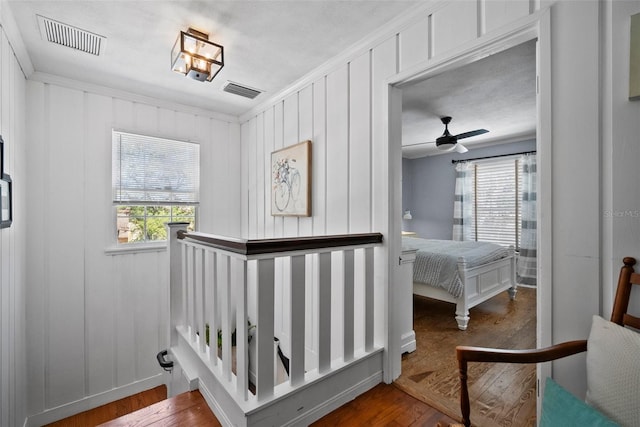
column 526, row 271
column 463, row 228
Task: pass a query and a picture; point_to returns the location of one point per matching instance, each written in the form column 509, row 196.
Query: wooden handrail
column 279, row 245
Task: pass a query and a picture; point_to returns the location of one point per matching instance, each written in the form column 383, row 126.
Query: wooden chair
column 619, row 315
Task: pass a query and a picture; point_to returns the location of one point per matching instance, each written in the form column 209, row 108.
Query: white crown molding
column 133, row 97
column 10, row 28
column 390, row 29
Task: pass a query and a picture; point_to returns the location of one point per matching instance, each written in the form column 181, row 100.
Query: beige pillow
column 613, row 371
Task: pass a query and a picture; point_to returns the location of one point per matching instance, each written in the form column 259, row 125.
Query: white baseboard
column 408, row 342
column 337, row 401
column 90, row 402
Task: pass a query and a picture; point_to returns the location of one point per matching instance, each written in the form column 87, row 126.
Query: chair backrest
column 626, row 280
column 628, row 277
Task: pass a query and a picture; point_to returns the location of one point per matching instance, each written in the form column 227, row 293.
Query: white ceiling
column 268, row 44
column 496, row 93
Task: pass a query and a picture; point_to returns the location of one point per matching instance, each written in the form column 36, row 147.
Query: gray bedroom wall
column 428, row 184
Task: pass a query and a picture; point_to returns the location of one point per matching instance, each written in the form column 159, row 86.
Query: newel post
column 174, row 249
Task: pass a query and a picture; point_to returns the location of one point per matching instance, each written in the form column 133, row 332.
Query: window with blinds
column 154, row 181
column 497, row 191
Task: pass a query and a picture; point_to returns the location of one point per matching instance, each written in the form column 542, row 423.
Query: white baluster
column 191, row 293
column 348, row 305
column 185, row 286
column 324, row 312
column 368, row 295
column 213, row 309
column 200, row 298
column 225, row 313
column 264, row 330
column 242, row 342
column 297, row 305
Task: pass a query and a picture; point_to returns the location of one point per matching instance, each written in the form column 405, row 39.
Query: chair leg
column 465, row 406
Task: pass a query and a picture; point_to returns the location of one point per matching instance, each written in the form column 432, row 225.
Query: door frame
column 534, row 27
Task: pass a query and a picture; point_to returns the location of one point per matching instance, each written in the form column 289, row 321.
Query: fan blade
column 472, row 133
column 461, row 148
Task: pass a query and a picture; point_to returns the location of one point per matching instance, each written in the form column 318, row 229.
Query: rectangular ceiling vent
column 73, row 37
column 241, row 90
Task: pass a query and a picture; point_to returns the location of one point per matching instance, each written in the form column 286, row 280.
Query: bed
column 463, row 273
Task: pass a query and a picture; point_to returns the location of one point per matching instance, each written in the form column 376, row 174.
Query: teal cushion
column 562, row 409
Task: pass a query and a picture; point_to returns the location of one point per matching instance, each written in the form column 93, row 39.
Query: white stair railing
column 224, row 282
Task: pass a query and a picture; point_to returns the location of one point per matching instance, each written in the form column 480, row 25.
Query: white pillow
column 613, row 371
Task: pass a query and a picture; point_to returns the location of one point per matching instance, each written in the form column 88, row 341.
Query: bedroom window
column 497, row 191
column 154, row 180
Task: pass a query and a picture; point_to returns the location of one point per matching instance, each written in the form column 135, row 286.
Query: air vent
column 73, row 37
column 238, row 89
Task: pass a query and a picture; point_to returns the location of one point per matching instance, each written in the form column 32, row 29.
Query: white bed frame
column 479, row 284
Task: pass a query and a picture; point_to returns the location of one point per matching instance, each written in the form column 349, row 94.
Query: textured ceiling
column 496, row 93
column 268, row 44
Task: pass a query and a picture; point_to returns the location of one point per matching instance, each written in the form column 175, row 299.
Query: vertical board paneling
column 305, row 128
column 360, row 145
column 319, row 192
column 231, row 216
column 6, row 308
column 251, row 157
column 245, row 135
column 36, row 273
column 414, row 44
column 66, row 352
column 337, row 172
column 499, row 12
column 290, row 137
column 269, row 221
column 13, row 368
column 278, row 143
column 260, row 177
column 203, row 135
column 19, row 162
column 447, row 36
column 100, row 334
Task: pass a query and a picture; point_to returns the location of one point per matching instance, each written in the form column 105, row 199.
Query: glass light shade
column 195, row 56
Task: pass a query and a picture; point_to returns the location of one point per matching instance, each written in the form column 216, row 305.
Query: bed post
column 512, row 273
column 462, row 305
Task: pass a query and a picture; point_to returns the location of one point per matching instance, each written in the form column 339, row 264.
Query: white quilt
column 437, row 260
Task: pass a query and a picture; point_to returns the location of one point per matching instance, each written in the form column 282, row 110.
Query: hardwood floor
column 501, row 394
column 115, row 409
column 384, row 405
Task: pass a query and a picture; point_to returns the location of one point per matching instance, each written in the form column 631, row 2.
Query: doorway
column 533, row 32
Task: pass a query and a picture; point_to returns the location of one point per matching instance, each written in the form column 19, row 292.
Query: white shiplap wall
column 13, row 353
column 96, row 321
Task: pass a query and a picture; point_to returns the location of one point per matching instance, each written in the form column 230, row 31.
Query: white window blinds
column 497, row 192
column 154, row 171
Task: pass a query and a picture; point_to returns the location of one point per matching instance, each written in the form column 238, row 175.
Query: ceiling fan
column 448, row 141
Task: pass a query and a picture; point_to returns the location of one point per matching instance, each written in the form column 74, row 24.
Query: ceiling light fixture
column 195, row 56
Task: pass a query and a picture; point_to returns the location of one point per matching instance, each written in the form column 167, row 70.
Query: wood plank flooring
column 384, row 405
column 115, row 409
column 501, row 394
